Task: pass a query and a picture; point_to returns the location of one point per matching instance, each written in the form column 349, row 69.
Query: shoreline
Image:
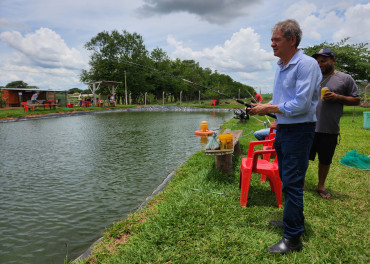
column 141, row 207
column 141, row 108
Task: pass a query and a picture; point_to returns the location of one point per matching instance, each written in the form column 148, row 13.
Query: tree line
column 111, row 58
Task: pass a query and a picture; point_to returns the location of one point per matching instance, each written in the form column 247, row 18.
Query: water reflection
column 63, row 180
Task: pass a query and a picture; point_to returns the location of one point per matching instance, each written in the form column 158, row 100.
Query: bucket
column 367, row 120
column 225, row 141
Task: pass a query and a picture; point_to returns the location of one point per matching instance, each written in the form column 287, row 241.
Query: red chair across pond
column 47, row 103
column 26, row 107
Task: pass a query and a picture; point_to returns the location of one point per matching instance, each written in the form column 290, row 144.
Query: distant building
column 18, row 95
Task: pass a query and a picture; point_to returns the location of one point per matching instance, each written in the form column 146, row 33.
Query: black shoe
column 286, row 245
column 277, row 223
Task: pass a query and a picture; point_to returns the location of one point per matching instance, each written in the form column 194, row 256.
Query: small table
column 223, row 158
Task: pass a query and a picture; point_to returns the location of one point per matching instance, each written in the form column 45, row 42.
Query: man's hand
column 263, row 109
column 346, row 100
column 330, row 97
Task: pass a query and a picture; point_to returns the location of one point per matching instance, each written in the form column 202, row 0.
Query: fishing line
column 214, row 193
column 193, row 83
column 268, row 120
column 263, row 122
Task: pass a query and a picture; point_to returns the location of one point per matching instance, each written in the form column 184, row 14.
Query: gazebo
column 94, row 86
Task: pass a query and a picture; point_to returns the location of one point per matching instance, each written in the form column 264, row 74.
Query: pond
column 64, row 180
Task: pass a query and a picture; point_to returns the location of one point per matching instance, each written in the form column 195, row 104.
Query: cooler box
column 367, row 120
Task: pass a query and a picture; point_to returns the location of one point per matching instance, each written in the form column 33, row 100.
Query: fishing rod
column 193, row 83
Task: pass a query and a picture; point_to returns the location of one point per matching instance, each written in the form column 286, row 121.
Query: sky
column 42, row 41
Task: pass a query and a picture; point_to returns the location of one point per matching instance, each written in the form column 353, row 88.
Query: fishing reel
column 241, row 115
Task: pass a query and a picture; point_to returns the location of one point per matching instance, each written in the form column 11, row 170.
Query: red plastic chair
column 47, row 103
column 268, row 146
column 26, row 107
column 253, row 164
column 213, row 102
column 100, row 103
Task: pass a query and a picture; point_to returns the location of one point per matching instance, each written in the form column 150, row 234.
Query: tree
column 74, row 90
column 161, row 83
column 353, row 59
column 17, row 84
column 109, row 53
column 115, row 55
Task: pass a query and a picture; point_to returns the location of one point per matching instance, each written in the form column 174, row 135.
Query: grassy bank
column 198, row 219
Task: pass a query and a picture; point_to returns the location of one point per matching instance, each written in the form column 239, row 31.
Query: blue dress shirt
column 296, row 89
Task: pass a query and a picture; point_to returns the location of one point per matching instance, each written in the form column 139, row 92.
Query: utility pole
column 125, row 90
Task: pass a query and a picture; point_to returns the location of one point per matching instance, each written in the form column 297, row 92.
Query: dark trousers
column 292, row 144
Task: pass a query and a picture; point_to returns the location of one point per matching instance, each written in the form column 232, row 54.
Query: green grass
column 189, row 223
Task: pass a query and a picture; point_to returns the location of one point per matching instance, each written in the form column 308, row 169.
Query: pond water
column 64, row 180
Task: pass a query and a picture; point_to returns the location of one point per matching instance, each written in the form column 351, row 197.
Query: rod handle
column 248, row 105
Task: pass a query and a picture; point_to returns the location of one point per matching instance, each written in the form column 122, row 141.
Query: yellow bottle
column 323, row 91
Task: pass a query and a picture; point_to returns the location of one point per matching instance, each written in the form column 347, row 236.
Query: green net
column 356, row 160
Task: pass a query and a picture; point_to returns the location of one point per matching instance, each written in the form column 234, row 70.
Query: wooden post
column 199, row 96
column 163, row 98
column 145, row 98
column 125, row 90
column 224, row 163
column 94, row 94
column 180, row 97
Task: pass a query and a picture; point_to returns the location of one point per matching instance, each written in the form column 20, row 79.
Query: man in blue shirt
column 295, row 97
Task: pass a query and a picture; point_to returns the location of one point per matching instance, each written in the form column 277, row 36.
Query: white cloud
column 332, row 21
column 241, row 53
column 357, row 24
column 44, row 48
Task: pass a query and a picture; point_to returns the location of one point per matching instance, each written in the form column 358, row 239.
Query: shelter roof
column 32, row 89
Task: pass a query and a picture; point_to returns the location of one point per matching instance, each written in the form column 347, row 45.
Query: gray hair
column 289, row 28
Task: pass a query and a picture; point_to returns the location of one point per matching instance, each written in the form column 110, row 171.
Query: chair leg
column 245, row 181
column 276, row 187
column 263, row 178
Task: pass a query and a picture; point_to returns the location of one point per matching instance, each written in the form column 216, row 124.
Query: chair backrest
column 269, row 142
column 272, row 128
column 271, row 136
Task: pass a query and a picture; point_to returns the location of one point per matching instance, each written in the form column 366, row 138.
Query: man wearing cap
column 342, row 91
column 294, row 101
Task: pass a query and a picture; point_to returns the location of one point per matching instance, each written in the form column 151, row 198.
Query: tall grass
column 198, row 219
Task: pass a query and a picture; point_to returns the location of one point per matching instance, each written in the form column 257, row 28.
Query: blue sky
column 41, row 41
